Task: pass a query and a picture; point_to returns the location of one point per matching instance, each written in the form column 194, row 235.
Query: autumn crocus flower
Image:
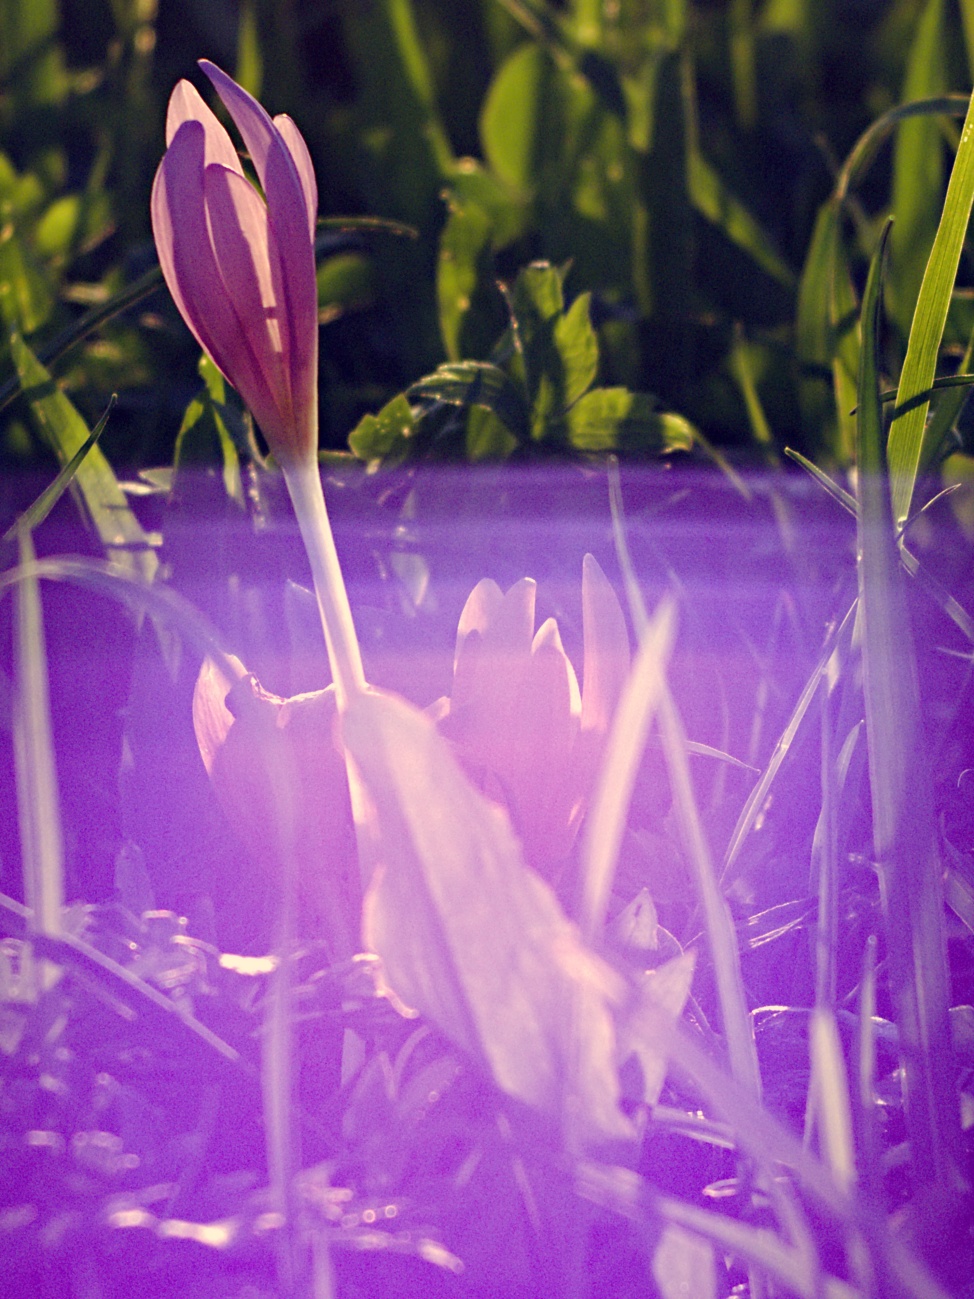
column 241, row 269
column 523, row 730
column 244, row 734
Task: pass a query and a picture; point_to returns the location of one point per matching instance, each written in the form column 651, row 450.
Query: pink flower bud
column 240, row 266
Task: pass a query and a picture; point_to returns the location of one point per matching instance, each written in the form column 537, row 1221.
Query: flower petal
column 186, row 104
column 293, row 269
column 182, row 235
column 240, row 238
column 302, row 160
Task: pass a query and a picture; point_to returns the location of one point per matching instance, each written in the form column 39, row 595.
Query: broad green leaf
column 205, row 434
column 578, row 350
column 103, row 501
column 384, row 436
column 473, row 184
column 513, row 117
column 73, row 221
column 917, row 167
column 476, row 383
column 26, row 295
column 908, row 451
column 473, row 939
column 464, row 264
column 607, row 419
column 488, row 438
column 904, row 829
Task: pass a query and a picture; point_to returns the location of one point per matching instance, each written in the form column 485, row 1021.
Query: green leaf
column 473, row 939
column 476, row 383
column 102, row 499
column 464, row 265
column 512, row 122
column 908, row 451
column 488, row 438
column 608, row 419
column 559, row 352
column 384, row 436
column 578, row 349
column 26, row 296
column 205, row 434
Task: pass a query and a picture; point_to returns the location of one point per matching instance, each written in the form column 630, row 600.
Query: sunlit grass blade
column 917, row 167
column 909, row 450
column 904, row 832
column 38, row 805
column 35, row 514
column 66, row 433
column 838, row 494
column 606, row 822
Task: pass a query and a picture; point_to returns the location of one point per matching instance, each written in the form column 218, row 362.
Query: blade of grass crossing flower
column 38, row 807
column 720, row 927
column 35, row 514
column 904, row 830
column 606, row 821
column 909, row 450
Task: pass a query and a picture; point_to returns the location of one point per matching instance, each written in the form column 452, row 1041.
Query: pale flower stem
column 304, row 484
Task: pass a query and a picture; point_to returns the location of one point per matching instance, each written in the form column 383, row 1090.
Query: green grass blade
column 58, row 347
column 759, row 794
column 38, row 807
column 35, row 514
column 904, row 830
column 863, row 152
column 606, row 822
column 917, row 167
column 720, row 927
column 908, row 450
column 66, row 433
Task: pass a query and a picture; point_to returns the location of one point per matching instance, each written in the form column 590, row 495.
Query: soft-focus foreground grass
column 726, row 285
